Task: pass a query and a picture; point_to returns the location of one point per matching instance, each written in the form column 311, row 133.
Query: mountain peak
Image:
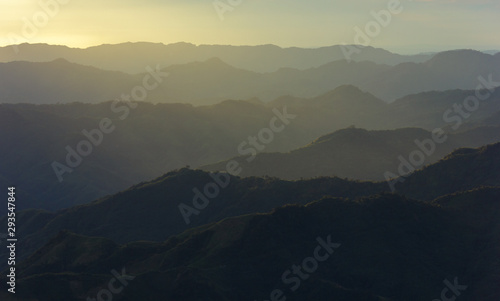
column 347, row 89
column 61, row 61
column 347, row 132
column 216, row 61
column 454, row 56
column 343, row 90
column 348, row 93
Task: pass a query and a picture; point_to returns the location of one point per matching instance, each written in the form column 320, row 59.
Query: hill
column 166, row 206
column 463, row 169
column 383, row 247
column 457, row 69
column 356, row 154
column 186, row 198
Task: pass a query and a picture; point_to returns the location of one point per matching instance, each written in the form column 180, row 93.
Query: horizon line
column 451, row 48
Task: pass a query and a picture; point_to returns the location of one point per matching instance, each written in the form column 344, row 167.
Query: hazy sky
column 424, row 25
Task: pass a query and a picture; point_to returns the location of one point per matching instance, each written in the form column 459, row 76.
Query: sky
column 412, row 26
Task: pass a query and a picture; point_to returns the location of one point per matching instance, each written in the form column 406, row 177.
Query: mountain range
column 180, row 172
column 453, row 236
column 152, row 210
column 162, row 137
column 61, row 81
column 131, row 57
column 371, row 244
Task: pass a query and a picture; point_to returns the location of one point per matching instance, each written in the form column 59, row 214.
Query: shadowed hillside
column 356, row 154
column 383, row 247
column 163, row 137
column 152, row 210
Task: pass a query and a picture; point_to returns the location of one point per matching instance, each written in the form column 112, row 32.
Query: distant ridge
column 216, row 79
column 351, row 153
column 262, row 58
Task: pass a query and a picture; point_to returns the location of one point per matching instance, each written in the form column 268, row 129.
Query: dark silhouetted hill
column 385, row 247
column 150, row 210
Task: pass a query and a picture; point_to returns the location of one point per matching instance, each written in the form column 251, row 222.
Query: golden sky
column 425, row 25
